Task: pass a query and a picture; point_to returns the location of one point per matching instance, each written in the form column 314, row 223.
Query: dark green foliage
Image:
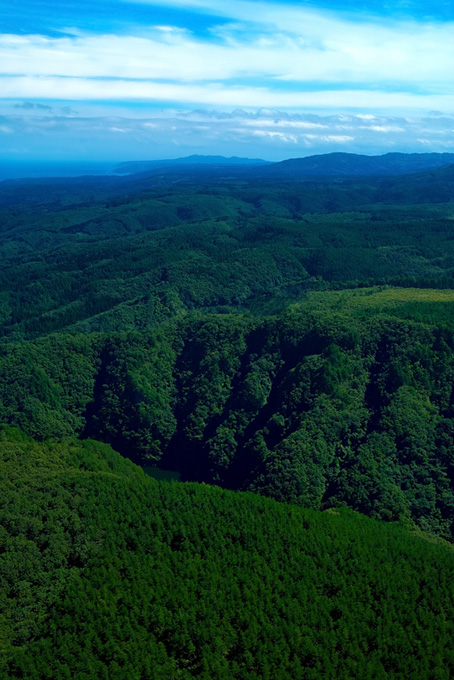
column 337, row 401
column 182, row 324
column 105, row 573
column 227, row 330
column 87, row 259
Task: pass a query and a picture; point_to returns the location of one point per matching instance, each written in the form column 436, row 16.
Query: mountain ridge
column 200, row 167
column 342, row 164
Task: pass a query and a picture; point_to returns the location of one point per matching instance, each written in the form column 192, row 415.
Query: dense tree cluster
column 291, row 338
column 341, row 399
column 105, row 573
column 99, row 261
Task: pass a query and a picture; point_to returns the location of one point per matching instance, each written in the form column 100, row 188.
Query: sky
column 115, row 80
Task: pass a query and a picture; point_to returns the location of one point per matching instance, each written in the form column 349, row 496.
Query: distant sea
column 36, row 169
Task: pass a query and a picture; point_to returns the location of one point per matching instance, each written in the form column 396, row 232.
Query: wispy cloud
column 32, row 106
column 216, row 94
column 383, row 73
column 267, row 133
column 286, row 51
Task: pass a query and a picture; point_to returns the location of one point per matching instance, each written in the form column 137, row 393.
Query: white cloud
column 214, row 94
column 385, row 128
column 369, row 45
column 288, row 45
column 265, row 133
column 285, row 60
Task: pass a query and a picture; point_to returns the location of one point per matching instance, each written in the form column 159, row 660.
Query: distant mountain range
column 205, row 168
column 326, row 165
column 350, row 165
column 350, row 179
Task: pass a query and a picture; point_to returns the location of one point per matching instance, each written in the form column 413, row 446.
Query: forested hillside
column 291, row 338
column 345, row 398
column 96, row 256
column 106, row 573
column 252, row 333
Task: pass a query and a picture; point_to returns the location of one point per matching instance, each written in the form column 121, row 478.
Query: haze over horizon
column 127, row 80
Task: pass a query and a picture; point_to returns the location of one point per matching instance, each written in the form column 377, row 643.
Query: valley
column 278, row 337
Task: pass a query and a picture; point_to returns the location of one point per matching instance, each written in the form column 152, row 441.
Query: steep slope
column 345, row 398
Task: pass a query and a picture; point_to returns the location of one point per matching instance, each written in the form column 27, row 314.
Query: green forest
column 285, row 347
column 107, row 573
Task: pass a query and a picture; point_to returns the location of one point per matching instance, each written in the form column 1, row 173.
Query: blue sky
column 127, row 79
